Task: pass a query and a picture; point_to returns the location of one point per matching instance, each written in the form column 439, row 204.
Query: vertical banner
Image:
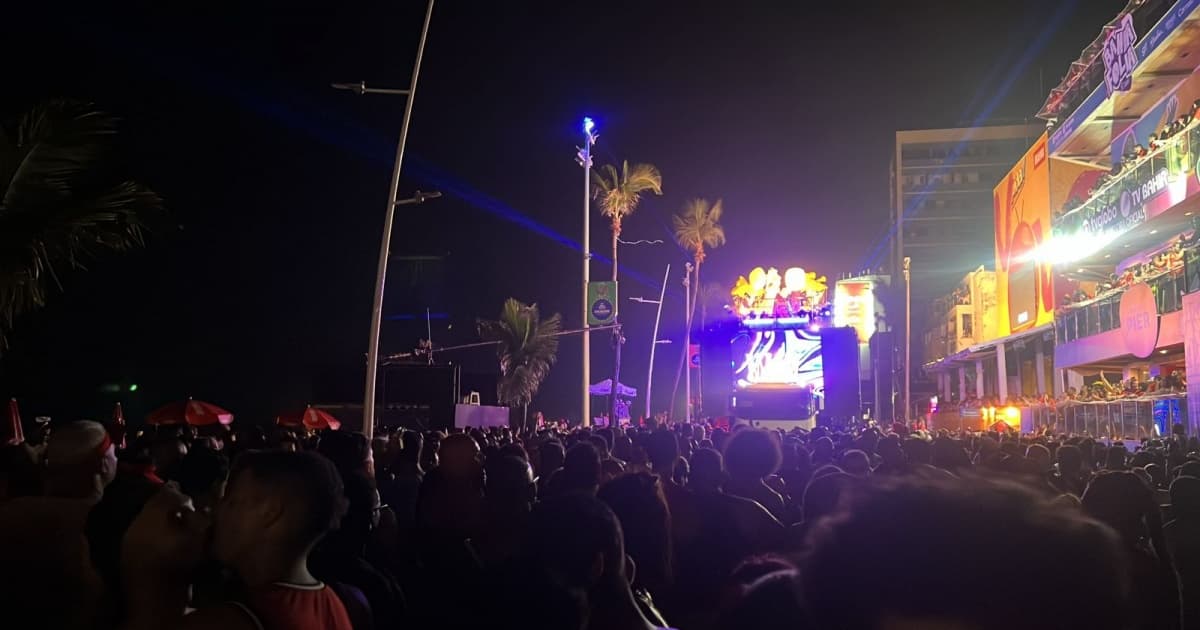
column 694, row 355
column 1191, row 353
column 854, row 306
column 602, row 303
column 1025, row 289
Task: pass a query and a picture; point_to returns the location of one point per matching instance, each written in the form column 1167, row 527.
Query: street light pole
column 662, row 294
column 687, row 343
column 584, row 157
column 907, row 336
column 386, row 240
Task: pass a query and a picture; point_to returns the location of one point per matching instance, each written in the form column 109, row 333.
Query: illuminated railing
column 1103, row 314
column 1105, row 211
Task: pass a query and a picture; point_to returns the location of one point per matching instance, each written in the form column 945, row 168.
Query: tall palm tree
column 620, row 192
column 60, row 202
column 697, row 229
column 527, row 346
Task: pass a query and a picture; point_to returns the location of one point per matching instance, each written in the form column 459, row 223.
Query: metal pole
column 687, row 343
column 907, row 337
column 386, row 241
column 662, row 294
column 589, row 138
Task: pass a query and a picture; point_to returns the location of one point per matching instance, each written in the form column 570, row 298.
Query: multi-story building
column 942, row 182
column 1096, row 258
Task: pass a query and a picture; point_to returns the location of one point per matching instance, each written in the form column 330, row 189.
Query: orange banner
column 1024, row 286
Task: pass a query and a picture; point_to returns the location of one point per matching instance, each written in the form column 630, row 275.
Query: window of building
column 972, row 178
column 966, row 326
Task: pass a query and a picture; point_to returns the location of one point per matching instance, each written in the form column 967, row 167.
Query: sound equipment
column 839, row 354
column 883, row 373
column 420, row 396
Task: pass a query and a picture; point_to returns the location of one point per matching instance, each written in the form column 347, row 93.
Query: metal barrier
column 1124, row 419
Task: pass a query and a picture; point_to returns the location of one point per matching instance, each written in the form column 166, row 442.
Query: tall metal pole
column 907, row 336
column 662, row 294
column 585, row 157
column 687, row 343
column 386, row 241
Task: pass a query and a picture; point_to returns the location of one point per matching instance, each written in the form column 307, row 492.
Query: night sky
column 255, row 287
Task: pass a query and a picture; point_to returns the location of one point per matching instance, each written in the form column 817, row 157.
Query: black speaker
column 420, row 396
column 883, row 373
column 839, row 356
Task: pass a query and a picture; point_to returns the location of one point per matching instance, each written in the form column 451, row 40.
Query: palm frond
column 527, row 347
column 697, row 227
column 619, row 192
column 59, row 204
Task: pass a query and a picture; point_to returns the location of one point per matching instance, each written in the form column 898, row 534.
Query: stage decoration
column 766, row 293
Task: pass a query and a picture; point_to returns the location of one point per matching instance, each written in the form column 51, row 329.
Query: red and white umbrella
column 316, row 420
column 196, row 413
column 11, row 432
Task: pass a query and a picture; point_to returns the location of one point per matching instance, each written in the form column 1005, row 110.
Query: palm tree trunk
column 616, row 233
column 690, row 415
column 613, row 400
column 525, row 419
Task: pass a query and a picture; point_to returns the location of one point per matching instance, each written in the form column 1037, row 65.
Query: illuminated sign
column 1025, row 291
column 1139, row 320
column 854, row 306
column 767, row 293
column 602, row 303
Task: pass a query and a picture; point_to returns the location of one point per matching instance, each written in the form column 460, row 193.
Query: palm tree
column 527, row 346
column 60, row 203
column 620, row 192
column 697, row 229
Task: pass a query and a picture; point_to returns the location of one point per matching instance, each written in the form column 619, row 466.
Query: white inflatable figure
column 793, row 281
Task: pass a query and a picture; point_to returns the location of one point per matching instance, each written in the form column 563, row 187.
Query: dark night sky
column 254, row 290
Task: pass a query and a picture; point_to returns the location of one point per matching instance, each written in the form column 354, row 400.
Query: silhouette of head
column 752, row 454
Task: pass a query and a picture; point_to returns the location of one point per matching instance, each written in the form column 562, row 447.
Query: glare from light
column 1012, row 413
column 133, row 388
column 1162, row 351
column 588, row 125
column 1187, row 214
column 1153, row 231
column 1068, row 248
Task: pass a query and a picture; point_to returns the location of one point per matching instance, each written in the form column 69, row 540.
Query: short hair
column 662, row 448
column 566, row 532
column 963, row 538
column 708, row 468
column 348, row 450
column 638, row 501
column 200, row 469
column 307, row 480
column 74, row 443
column 752, row 454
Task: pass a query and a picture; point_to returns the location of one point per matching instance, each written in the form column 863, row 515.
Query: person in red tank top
column 276, row 507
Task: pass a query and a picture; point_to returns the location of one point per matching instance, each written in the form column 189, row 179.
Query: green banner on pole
column 602, row 303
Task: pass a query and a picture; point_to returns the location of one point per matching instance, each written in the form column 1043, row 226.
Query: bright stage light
column 588, row 125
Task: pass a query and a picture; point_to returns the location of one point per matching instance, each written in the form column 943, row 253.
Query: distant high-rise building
column 942, row 181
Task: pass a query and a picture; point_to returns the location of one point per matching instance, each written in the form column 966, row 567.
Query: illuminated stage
column 778, row 341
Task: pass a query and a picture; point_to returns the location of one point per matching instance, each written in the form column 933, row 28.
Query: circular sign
column 602, row 310
column 1139, row 320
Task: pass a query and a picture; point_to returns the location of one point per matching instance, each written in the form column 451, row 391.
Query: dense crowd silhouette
column 684, row 526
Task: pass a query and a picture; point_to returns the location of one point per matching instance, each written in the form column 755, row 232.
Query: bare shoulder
column 221, row 617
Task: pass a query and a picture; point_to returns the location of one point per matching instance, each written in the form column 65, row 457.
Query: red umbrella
column 316, row 419
column 11, row 432
column 193, row 412
column 116, row 427
column 290, row 421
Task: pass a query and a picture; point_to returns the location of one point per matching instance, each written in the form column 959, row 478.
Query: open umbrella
column 316, row 420
column 116, row 427
column 11, row 432
column 290, row 421
column 196, row 413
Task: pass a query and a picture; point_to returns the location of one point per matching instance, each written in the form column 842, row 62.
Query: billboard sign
column 854, row 306
column 1139, row 320
column 1024, row 283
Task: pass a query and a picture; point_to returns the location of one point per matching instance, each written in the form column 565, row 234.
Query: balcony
column 1103, row 313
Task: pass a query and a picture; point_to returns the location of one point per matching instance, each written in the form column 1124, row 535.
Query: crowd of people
column 684, row 526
